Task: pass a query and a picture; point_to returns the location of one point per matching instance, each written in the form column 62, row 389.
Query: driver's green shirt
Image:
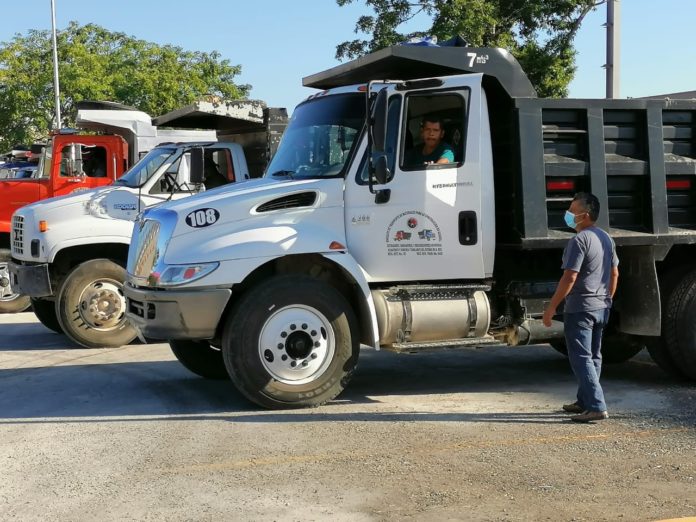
column 416, row 157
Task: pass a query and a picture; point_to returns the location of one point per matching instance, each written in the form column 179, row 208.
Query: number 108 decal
column 203, row 217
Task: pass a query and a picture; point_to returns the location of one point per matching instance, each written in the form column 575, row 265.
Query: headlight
column 175, row 275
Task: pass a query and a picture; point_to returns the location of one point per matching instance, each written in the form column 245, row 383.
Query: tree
column 539, row 33
column 96, row 64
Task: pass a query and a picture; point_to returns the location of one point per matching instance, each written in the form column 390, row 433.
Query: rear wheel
column 680, row 328
column 657, row 346
column 46, row 313
column 10, row 302
column 291, row 342
column 201, row 358
column 91, row 306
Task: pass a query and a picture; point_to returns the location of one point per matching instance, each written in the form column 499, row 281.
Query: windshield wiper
column 286, row 173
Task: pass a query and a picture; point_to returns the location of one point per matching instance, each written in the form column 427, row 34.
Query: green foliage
column 539, row 33
column 96, row 64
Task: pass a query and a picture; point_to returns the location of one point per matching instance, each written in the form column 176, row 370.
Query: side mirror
column 379, row 121
column 381, row 169
column 197, row 173
column 74, row 160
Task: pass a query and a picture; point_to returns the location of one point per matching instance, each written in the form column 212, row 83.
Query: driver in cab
column 434, row 150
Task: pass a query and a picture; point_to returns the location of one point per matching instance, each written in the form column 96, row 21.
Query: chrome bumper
column 176, row 314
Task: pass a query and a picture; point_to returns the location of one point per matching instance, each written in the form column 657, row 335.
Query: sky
column 278, row 42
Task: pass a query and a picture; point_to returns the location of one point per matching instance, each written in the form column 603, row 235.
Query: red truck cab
column 71, row 162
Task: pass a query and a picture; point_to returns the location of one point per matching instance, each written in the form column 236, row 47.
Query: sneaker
column 590, row 416
column 573, row 408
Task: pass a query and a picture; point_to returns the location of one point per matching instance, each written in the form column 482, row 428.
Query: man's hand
column 548, row 316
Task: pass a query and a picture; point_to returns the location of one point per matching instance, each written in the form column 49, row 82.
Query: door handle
column 468, row 228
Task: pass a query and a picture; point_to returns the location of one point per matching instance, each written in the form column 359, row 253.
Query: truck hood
column 235, row 192
column 76, row 198
column 255, row 218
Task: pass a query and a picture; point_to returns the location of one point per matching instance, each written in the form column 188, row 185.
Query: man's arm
column 565, row 285
column 613, row 280
column 447, row 155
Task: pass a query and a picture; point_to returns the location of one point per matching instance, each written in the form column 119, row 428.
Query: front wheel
column 45, row 311
column 10, row 302
column 200, row 358
column 91, row 306
column 291, row 342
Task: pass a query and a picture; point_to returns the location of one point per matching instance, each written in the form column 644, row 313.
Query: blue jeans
column 583, row 333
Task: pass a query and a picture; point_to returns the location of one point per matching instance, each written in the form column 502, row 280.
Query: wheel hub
column 296, row 344
column 6, row 293
column 102, row 305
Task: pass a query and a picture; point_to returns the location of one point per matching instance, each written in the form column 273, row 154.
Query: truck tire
column 91, row 307
column 616, row 348
column 46, row 313
column 657, row 346
column 291, row 342
column 659, row 353
column 200, row 358
column 679, row 326
column 10, row 302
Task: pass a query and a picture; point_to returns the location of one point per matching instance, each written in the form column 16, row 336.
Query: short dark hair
column 589, row 202
column 432, row 119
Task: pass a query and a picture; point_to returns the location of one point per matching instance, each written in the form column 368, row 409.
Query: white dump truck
column 277, row 282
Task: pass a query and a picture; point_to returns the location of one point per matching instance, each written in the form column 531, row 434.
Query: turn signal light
column 43, row 226
column 335, row 245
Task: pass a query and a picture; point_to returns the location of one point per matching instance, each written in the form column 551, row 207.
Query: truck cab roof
column 410, row 62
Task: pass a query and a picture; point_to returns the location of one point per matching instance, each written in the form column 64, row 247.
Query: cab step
column 449, row 344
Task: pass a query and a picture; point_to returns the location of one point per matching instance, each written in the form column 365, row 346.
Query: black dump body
column 638, row 156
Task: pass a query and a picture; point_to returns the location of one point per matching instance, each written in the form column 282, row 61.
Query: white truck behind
column 69, row 252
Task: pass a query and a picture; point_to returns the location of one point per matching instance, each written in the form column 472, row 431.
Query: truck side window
column 433, row 130
column 94, row 161
column 215, row 168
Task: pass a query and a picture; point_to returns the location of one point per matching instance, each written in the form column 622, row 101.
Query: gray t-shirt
column 592, row 254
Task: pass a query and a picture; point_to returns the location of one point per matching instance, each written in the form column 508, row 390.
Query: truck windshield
column 146, row 167
column 320, row 137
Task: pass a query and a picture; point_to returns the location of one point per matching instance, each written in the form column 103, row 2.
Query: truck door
column 79, row 166
column 427, row 221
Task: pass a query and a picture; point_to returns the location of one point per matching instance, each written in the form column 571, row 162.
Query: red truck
column 72, row 162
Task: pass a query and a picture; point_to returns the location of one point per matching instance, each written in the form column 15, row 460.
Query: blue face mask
column 569, row 219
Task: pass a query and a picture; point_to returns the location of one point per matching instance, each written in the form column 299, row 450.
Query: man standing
column 590, row 275
column 434, row 150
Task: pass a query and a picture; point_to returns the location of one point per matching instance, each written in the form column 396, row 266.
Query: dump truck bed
column 637, row 156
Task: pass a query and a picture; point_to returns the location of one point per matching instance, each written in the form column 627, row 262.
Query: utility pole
column 56, row 87
column 613, row 47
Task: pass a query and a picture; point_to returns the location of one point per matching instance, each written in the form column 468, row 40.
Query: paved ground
column 129, row 434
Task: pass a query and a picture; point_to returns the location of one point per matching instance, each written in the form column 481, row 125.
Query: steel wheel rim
column 296, row 345
column 102, row 305
column 6, row 293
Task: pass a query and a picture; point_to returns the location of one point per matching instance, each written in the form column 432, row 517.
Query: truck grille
column 146, row 251
column 18, row 235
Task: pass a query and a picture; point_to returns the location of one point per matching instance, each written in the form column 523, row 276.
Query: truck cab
column 53, row 241
column 73, row 162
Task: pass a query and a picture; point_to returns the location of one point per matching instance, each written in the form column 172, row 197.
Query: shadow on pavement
column 146, row 390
